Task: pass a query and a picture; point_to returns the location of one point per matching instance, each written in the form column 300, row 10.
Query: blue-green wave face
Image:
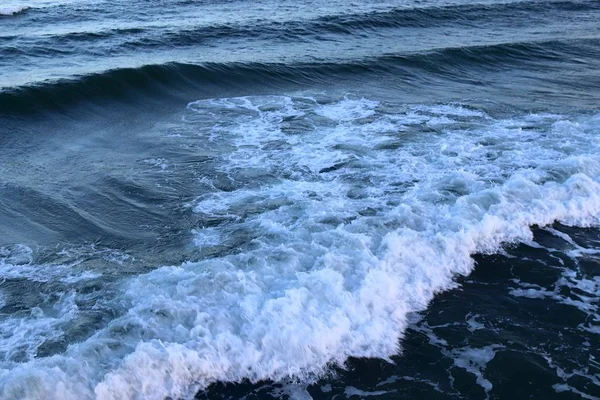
column 297, row 199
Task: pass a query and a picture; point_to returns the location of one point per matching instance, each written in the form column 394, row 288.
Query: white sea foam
column 571, row 288
column 346, row 216
column 292, row 391
column 28, row 329
column 16, row 262
column 352, row 391
column 394, row 379
column 15, row 7
column 12, row 10
column 474, row 360
column 22, row 336
column 565, row 375
column 473, row 324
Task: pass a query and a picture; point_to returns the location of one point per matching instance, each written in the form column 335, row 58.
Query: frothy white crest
column 344, row 217
column 12, row 10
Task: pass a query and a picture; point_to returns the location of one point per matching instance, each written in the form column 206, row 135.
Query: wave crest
column 12, row 10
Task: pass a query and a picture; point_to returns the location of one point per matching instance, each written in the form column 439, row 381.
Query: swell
column 468, row 15
column 122, row 40
column 129, row 84
column 174, row 79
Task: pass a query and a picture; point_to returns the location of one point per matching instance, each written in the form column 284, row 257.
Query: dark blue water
column 328, row 200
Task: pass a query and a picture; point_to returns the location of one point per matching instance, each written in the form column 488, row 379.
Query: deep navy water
column 299, row 199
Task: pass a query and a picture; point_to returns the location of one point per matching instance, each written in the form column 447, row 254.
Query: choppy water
column 299, row 199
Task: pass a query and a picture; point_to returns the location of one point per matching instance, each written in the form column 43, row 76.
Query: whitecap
column 12, row 10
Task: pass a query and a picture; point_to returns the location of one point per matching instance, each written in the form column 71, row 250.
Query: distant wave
column 123, row 40
column 172, row 79
column 432, row 16
column 12, row 10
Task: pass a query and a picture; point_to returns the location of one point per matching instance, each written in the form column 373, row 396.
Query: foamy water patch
column 471, row 359
column 23, row 336
column 446, row 110
column 207, row 237
column 17, row 262
column 347, row 109
column 472, row 323
column 343, row 217
column 352, row 391
column 474, row 360
column 566, row 375
column 573, row 287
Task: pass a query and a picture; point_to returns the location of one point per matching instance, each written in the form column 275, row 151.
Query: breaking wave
column 12, row 10
column 342, row 216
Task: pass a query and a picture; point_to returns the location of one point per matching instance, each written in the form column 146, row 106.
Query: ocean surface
column 299, row 199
